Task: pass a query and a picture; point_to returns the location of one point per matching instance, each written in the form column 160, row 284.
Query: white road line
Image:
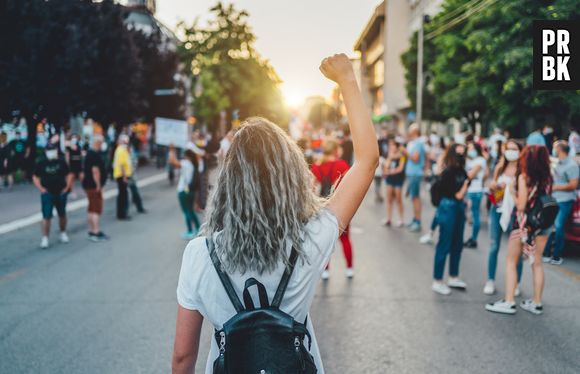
column 75, row 205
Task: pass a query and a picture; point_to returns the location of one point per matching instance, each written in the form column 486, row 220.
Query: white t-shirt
column 199, row 287
column 185, row 175
column 477, row 181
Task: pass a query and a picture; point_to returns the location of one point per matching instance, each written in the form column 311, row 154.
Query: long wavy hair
column 534, row 163
column 263, row 199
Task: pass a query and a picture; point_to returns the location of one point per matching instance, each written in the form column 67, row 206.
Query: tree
column 233, row 75
column 61, row 58
column 482, row 67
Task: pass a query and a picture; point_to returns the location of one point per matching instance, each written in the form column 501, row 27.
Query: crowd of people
column 467, row 176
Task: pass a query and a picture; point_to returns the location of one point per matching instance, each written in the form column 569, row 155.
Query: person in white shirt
column 264, row 205
column 186, row 189
column 476, row 167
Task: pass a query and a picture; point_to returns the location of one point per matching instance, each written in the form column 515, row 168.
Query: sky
column 295, row 35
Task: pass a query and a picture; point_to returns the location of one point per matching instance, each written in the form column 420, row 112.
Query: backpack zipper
column 222, row 342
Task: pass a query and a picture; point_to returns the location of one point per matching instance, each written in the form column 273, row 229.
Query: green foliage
column 61, row 58
column 232, row 74
column 482, row 67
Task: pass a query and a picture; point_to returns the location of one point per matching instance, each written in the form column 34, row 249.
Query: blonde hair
column 262, row 201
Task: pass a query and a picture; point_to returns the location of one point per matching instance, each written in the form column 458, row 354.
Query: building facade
column 384, row 39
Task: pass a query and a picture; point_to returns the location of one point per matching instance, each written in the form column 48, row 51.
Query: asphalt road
column 110, row 307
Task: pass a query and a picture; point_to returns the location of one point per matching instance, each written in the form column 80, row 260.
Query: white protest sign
column 171, row 131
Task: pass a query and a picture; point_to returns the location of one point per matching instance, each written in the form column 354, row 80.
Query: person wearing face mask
column 74, row 158
column 564, row 191
column 450, row 215
column 503, row 175
column 52, row 177
column 476, row 166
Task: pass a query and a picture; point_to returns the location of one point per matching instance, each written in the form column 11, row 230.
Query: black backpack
column 326, row 183
column 543, row 213
column 260, row 340
column 435, row 190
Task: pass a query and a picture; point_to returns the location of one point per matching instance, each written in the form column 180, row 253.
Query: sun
column 292, row 97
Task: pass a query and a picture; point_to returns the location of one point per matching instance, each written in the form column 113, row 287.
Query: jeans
column 475, row 198
column 557, row 236
column 122, row 199
column 186, row 200
column 451, row 218
column 49, row 201
column 495, row 234
column 135, row 195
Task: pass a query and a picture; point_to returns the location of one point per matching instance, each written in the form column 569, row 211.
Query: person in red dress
column 328, row 175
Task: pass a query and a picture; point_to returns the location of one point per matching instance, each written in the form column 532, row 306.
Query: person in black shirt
column 54, row 180
column 94, row 178
column 6, row 178
column 451, row 218
column 20, row 153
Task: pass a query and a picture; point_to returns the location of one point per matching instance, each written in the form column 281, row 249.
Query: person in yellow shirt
column 122, row 171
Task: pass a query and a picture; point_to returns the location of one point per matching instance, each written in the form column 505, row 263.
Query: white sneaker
column 530, row 306
column 427, row 238
column 400, row 224
column 489, row 288
column 64, row 237
column 349, row 272
column 44, row 242
column 545, row 259
column 441, row 288
column 456, row 283
column 325, row 275
column 502, row 307
column 517, row 292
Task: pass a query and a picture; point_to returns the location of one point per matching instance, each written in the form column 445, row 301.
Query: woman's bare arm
column 522, row 193
column 186, row 344
column 353, row 187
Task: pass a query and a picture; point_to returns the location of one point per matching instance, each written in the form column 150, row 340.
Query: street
column 110, row 307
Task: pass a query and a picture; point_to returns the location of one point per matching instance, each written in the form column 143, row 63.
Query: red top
column 338, row 168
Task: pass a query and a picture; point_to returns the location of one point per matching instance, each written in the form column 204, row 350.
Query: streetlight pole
column 419, row 114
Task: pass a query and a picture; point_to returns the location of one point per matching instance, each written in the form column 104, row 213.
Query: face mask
column 512, row 154
column 103, row 147
column 52, row 154
column 472, row 153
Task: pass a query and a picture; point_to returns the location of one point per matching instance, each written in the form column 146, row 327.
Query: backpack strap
column 226, row 282
column 285, row 279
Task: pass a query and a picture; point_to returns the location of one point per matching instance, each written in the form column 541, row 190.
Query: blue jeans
column 557, row 236
column 414, row 186
column 495, row 234
column 186, row 202
column 451, row 218
column 475, row 198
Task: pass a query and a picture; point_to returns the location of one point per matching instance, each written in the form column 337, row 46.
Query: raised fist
column 337, row 68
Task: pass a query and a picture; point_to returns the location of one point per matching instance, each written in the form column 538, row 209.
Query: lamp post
column 420, row 41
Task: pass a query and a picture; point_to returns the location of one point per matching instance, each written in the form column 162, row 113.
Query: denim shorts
column 53, row 200
column 414, row 185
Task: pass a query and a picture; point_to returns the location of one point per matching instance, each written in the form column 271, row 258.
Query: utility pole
column 419, row 114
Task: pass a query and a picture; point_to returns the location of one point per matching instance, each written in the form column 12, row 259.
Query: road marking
column 75, row 205
column 568, row 273
column 11, row 275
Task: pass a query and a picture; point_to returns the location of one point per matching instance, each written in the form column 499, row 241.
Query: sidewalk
column 24, row 199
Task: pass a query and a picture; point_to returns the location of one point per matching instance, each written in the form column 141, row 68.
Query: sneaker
column 427, row 238
column 325, row 275
column 415, row 227
column 99, row 237
column 456, row 283
column 502, row 307
column 489, row 288
column 188, row 235
column 518, row 291
column 546, row 259
column 93, row 237
column 440, row 288
column 102, row 236
column 349, row 272
column 44, row 242
column 556, row 261
column 470, row 244
column 400, row 224
column 387, row 223
column 530, row 306
column 142, row 211
column 64, row 237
